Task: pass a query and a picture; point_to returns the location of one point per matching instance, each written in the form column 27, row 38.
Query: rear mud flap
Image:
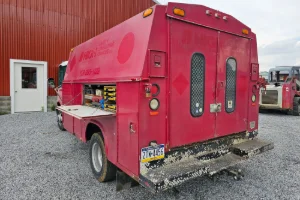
column 123, row 181
column 171, row 175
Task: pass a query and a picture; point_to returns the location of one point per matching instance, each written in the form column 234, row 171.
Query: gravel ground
column 38, row 161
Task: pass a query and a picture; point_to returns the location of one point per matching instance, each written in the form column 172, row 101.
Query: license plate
column 152, row 153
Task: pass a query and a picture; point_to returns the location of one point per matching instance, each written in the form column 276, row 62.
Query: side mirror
column 51, row 82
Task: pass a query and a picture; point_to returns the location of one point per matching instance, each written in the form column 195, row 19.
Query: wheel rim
column 97, row 157
column 59, row 118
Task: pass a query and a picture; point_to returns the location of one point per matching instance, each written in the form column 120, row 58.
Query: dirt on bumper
column 183, row 165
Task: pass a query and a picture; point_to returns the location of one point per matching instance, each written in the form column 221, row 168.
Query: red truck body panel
column 287, row 96
column 128, row 112
column 115, row 55
column 128, row 54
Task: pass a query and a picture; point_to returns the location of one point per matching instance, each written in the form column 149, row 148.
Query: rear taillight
column 155, row 90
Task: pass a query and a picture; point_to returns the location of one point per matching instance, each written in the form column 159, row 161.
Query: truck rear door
column 193, row 59
column 209, row 78
column 233, row 72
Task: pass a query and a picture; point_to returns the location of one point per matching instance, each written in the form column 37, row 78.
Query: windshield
column 283, row 75
column 278, row 76
column 61, row 74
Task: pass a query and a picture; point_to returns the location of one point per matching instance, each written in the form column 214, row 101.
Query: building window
column 197, row 85
column 29, row 77
column 230, row 94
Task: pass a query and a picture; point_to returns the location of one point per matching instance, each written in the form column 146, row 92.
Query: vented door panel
column 230, row 93
column 197, row 84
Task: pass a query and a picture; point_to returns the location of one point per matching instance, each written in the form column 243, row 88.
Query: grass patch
column 53, row 107
column 3, row 113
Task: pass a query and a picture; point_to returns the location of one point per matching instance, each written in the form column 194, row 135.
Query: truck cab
column 61, row 74
column 282, row 92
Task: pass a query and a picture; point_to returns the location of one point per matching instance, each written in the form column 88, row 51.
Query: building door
column 29, row 91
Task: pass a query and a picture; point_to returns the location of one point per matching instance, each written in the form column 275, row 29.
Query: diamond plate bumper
column 182, row 169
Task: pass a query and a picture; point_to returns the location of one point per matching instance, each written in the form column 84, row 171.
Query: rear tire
column 102, row 168
column 296, row 106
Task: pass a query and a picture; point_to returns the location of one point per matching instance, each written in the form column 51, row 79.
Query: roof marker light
column 148, row 12
column 208, row 12
column 245, row 31
column 179, row 12
column 217, row 15
column 225, row 18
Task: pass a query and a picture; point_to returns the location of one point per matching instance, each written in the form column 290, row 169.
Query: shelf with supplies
column 101, row 96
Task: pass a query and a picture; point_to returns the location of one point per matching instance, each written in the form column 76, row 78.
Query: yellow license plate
column 152, row 153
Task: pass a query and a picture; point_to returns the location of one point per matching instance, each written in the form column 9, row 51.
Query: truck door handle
column 221, row 84
column 131, row 128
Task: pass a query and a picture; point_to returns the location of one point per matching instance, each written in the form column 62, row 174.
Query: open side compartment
column 82, row 112
column 102, row 96
column 98, row 101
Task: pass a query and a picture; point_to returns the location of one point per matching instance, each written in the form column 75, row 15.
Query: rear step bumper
column 171, row 175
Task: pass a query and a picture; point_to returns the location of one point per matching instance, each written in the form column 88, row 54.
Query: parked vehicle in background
column 283, row 90
column 61, row 74
column 167, row 96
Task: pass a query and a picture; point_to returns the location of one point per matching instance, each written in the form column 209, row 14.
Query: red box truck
column 178, row 89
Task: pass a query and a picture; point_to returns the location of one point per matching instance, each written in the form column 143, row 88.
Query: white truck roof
column 65, row 63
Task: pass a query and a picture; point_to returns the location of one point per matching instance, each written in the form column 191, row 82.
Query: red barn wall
column 46, row 30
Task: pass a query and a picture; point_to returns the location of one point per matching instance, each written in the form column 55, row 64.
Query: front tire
column 102, row 168
column 59, row 120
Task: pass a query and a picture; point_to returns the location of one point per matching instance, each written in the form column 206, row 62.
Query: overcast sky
column 275, row 22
